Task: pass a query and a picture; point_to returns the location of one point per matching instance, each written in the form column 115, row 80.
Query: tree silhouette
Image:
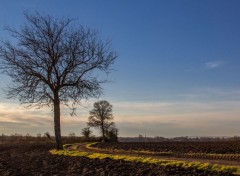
column 101, row 117
column 53, row 61
column 112, row 133
column 86, row 132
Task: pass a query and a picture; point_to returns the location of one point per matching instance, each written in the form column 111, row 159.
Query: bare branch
column 53, row 55
column 53, row 62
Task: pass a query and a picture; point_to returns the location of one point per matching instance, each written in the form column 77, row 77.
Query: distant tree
column 101, row 117
column 112, row 134
column 140, row 137
column 54, row 62
column 39, row 135
column 2, row 138
column 86, row 132
column 27, row 135
column 47, row 135
column 72, row 134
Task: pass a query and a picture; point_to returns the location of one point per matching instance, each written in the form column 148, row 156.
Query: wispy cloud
column 193, row 127
column 211, row 94
column 213, row 64
column 17, row 119
column 210, row 109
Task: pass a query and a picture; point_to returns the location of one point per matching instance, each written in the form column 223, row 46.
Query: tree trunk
column 103, row 134
column 57, row 126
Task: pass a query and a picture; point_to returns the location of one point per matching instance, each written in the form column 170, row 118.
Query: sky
column 177, row 71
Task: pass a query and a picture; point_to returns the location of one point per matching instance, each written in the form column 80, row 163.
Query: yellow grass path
column 88, row 148
column 85, row 150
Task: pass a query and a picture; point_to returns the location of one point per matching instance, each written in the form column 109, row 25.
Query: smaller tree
column 48, row 136
column 101, row 117
column 86, row 132
column 112, row 134
column 72, row 135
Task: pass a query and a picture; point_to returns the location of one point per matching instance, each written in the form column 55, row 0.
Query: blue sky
column 177, row 73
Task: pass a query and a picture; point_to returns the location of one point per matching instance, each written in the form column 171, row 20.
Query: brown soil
column 35, row 159
column 82, row 147
column 214, row 147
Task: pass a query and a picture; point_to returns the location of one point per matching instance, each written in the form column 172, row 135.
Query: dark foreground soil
column 35, row 159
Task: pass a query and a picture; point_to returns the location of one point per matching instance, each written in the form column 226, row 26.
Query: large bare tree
column 101, row 117
column 54, row 61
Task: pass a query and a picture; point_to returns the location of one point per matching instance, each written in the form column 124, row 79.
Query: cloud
column 197, row 112
column 211, row 94
column 17, row 119
column 192, row 127
column 213, row 64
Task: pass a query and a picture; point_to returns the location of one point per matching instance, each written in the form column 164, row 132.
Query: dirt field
column 35, row 159
column 210, row 147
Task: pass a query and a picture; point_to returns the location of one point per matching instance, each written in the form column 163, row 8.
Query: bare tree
column 72, row 135
column 86, row 132
column 112, row 133
column 52, row 61
column 101, row 117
